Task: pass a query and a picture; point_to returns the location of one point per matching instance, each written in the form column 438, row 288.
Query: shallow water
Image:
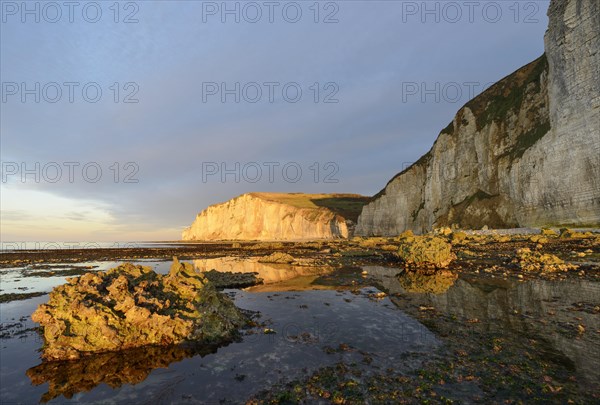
column 6, row 247
column 320, row 315
column 307, row 326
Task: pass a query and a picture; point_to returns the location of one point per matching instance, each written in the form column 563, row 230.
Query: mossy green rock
column 426, row 251
column 131, row 306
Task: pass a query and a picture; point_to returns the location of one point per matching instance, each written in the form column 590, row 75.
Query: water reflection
column 437, row 283
column 310, row 327
column 114, row 369
column 276, row 277
column 305, row 323
column 545, row 310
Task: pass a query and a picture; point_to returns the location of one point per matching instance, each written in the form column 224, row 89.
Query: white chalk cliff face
column 526, row 152
column 274, row 216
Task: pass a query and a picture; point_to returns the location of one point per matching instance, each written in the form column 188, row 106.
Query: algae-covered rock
column 408, row 234
column 444, row 231
column 538, row 239
column 501, row 238
column 227, row 279
column 132, row 306
column 266, row 246
column 548, row 232
column 370, row 243
column 529, row 260
column 569, row 233
column 458, row 237
column 277, row 257
column 419, row 282
column 426, row 251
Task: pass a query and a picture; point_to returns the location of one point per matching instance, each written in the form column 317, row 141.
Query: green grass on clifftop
column 348, row 206
column 508, row 94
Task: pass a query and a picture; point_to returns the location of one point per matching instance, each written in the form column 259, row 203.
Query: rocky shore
column 509, row 253
column 486, row 294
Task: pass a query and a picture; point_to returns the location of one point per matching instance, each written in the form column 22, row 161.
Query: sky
column 121, row 121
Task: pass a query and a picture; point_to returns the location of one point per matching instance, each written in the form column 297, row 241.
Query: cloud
column 171, row 132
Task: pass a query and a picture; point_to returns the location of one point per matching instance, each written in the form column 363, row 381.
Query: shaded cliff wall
column 523, row 153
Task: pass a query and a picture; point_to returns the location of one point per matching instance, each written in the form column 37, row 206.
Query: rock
column 224, row 279
column 406, row 235
column 418, row 282
column 266, row 246
column 132, row 306
column 458, row 237
column 568, row 233
column 529, row 260
column 523, row 153
column 370, row 243
column 444, row 231
column 278, row 216
column 538, row 239
column 426, row 251
column 277, row 257
column 502, row 239
column 548, row 232
column 469, row 254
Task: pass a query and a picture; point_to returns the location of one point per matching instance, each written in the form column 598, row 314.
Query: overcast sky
column 378, row 81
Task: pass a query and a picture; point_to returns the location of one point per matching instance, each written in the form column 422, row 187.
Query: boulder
column 132, row 306
column 426, row 251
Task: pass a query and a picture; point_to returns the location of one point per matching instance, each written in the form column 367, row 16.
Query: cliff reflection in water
column 275, row 276
column 114, row 369
column 545, row 310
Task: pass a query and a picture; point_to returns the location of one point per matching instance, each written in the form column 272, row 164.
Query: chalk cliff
column 526, row 152
column 278, row 216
